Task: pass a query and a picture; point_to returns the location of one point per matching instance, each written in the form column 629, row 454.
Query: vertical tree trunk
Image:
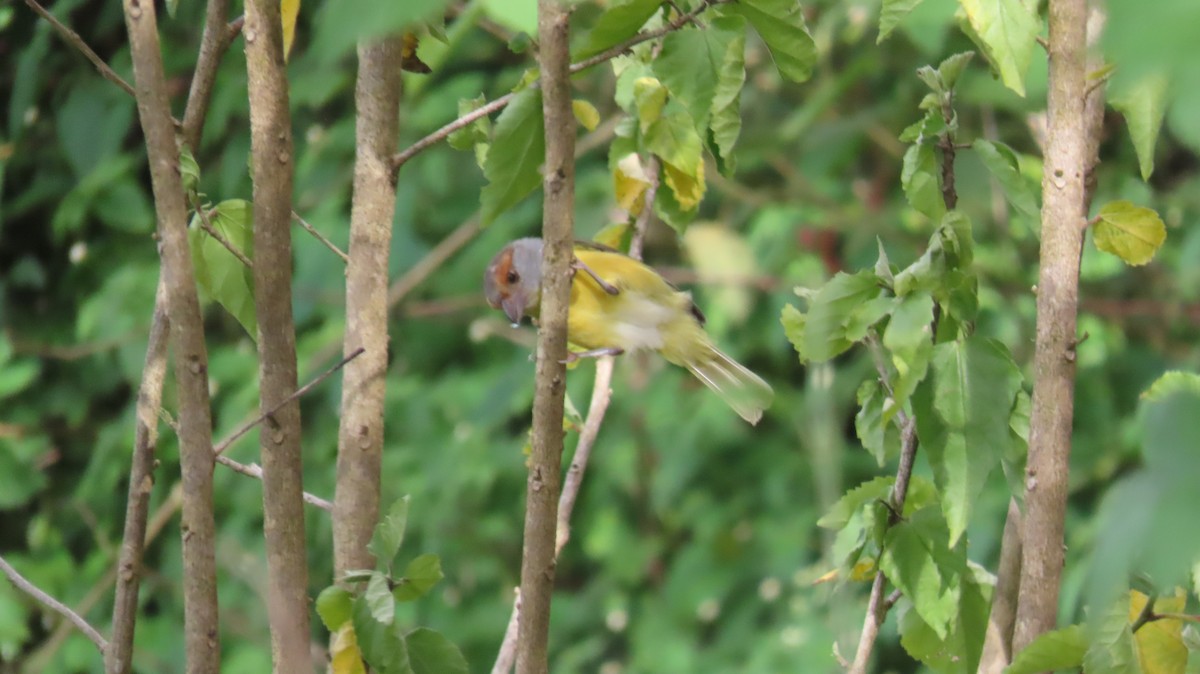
column 360, row 436
column 201, row 635
column 279, row 436
column 545, row 460
column 1063, row 221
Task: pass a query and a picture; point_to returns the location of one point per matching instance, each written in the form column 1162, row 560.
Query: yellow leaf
column 586, row 113
column 344, row 655
column 863, row 571
column 630, row 184
column 1160, row 646
column 688, row 186
column 289, row 10
column 613, row 235
column 1132, row 233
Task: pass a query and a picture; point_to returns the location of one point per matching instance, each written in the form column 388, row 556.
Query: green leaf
column 517, row 15
column 1111, row 649
column 222, row 276
column 389, row 534
column 382, row 644
column 890, row 15
column 1132, row 233
column 690, row 64
column 379, row 598
column 921, row 178
column 952, row 67
column 516, row 155
column 780, row 23
column 17, row 375
column 1051, row 651
column 1144, row 105
column 673, row 138
column 725, row 121
column 878, row 437
column 1170, row 383
column 963, row 418
column 850, row 502
column 339, row 26
column 357, row 575
column 794, row 327
column 959, row 651
column 909, row 339
column 918, row 560
column 1002, row 162
column 431, row 653
column 189, row 170
column 1007, row 31
column 420, row 576
column 830, row 309
column 476, row 135
column 1159, row 643
column 620, row 22
column 334, row 605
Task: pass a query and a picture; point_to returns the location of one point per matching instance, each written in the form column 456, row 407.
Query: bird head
column 513, row 280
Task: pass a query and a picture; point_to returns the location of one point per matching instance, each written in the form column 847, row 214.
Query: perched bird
column 619, row 304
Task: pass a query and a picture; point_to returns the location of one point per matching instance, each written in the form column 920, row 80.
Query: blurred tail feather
column 740, row 388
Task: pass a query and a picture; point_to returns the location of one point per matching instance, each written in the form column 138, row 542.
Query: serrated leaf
column 420, row 576
column 1001, row 161
column 1144, row 105
column 431, row 653
column 288, row 11
column 952, row 67
column 389, row 534
column 850, row 502
column 725, row 121
column 917, row 559
column 586, row 114
column 344, row 656
column 379, row 598
column 1170, row 383
column 689, row 65
column 780, row 23
column 1007, row 30
column 829, row 310
column 618, row 23
column 516, row 155
column 1132, row 233
column 220, row 275
column 890, row 15
column 959, row 651
column 381, row 644
column 1051, row 651
column 921, row 178
column 1159, row 643
column 334, row 605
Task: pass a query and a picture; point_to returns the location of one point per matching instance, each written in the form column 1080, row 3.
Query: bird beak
column 514, row 307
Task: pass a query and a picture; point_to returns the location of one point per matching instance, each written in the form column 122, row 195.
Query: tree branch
column 215, row 41
column 441, row 134
column 271, row 162
column 72, row 38
column 360, row 435
column 53, row 604
column 1063, row 190
column 119, row 655
column 545, row 460
column 320, row 237
column 997, row 644
column 256, row 472
column 201, row 624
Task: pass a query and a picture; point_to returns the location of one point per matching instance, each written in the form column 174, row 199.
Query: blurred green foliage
column 695, row 543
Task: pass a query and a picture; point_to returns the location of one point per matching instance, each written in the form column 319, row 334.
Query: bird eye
column 513, row 277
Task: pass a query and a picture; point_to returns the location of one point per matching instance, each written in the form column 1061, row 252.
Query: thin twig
column 53, row 604
column 75, row 41
column 507, row 656
column 206, row 225
column 1146, row 615
column 223, row 445
column 433, row 260
column 320, row 237
column 441, row 134
column 255, row 471
column 601, row 395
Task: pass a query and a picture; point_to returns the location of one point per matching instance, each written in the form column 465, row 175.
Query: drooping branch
column 360, row 434
column 119, row 655
column 499, row 104
column 201, row 627
column 558, row 227
column 22, row 584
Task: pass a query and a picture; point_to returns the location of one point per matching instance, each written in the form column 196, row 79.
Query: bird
column 619, row 305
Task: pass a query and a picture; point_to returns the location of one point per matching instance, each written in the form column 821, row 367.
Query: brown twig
column 77, row 42
column 119, row 656
column 507, row 656
column 255, row 471
column 320, row 237
column 213, row 44
column 997, row 644
column 441, row 134
column 53, row 604
column 1063, row 202
column 601, row 395
column 558, row 227
column 356, row 500
column 223, row 445
column 201, row 624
